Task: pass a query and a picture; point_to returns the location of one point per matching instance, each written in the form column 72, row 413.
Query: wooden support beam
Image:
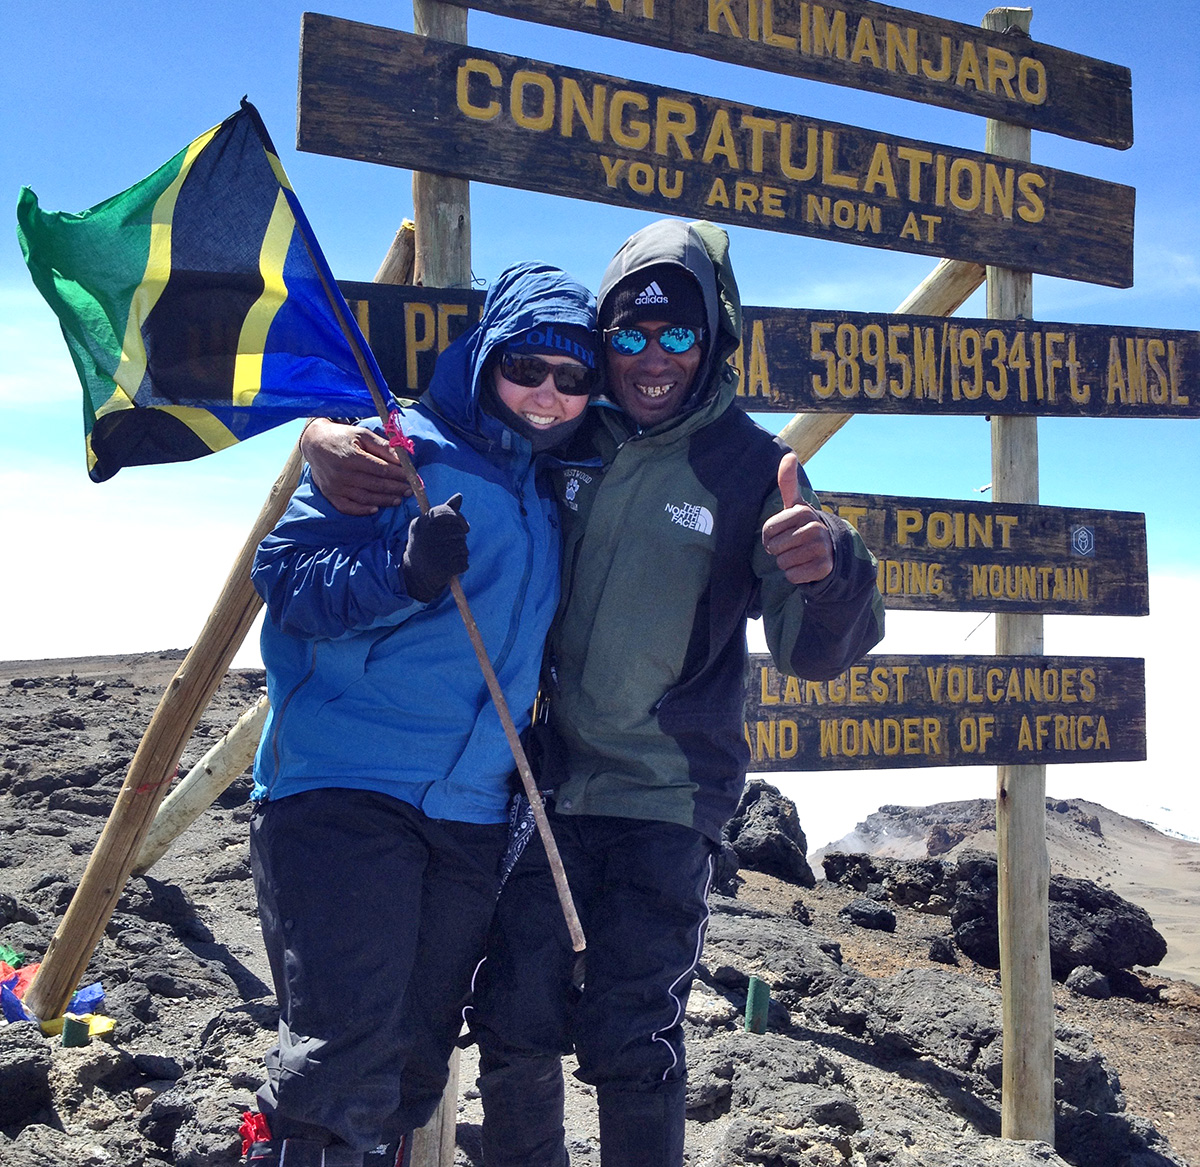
column 399, row 263
column 205, row 782
column 153, row 767
column 941, row 293
column 1027, row 1084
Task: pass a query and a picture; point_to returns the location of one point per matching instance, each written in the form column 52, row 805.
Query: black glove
column 437, row 550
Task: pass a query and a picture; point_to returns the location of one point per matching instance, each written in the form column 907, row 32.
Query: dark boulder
column 25, row 1062
column 1089, row 925
column 765, row 833
column 865, row 913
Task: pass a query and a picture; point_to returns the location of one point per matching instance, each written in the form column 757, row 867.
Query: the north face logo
column 652, row 294
column 692, row 516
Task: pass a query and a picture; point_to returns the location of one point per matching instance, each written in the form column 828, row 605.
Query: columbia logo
column 691, row 516
column 652, row 294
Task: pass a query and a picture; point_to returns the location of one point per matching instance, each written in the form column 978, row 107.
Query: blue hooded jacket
column 373, row 690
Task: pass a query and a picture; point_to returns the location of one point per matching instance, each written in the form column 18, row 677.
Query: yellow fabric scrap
column 98, row 1024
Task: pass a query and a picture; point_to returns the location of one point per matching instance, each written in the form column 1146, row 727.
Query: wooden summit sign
column 810, row 360
column 870, row 46
column 901, row 711
column 947, row 556
column 818, row 360
column 384, row 96
column 408, row 326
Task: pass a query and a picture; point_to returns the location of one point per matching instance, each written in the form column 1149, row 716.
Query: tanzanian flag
column 197, row 305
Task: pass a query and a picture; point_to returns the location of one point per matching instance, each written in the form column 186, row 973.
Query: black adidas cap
column 664, row 291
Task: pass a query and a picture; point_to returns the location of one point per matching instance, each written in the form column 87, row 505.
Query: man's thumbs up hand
column 799, row 540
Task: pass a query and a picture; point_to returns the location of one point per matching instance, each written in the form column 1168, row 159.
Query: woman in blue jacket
column 381, row 781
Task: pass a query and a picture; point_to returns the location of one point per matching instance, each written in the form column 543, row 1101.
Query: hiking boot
column 385, row 1155
column 259, row 1149
column 390, row 1154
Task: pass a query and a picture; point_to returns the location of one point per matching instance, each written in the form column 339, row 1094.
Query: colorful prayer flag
column 197, row 305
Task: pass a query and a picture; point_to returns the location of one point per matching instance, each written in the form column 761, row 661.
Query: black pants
column 374, row 917
column 641, row 891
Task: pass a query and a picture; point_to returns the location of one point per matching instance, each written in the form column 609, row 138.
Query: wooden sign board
column 384, row 96
column 809, row 360
column 870, row 46
column 947, row 556
column 801, row 360
column 408, row 326
column 900, row 711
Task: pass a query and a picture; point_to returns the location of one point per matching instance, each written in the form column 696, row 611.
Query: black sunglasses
column 529, row 372
column 672, row 338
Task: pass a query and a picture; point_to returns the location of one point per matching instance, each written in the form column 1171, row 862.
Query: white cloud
column 130, row 565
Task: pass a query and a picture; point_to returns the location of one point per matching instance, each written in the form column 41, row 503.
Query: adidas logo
column 652, row 294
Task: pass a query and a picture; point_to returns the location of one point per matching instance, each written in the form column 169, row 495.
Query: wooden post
column 442, row 206
column 433, row 1144
column 397, row 266
column 1027, row 1091
column 442, row 210
column 153, row 767
column 206, row 781
column 941, row 293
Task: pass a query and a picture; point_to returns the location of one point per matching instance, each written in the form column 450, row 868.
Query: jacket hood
column 702, row 249
column 524, row 295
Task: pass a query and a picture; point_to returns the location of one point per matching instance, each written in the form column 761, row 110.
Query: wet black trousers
column 374, row 917
column 641, row 890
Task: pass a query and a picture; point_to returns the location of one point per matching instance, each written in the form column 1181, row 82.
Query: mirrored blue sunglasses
column 672, row 338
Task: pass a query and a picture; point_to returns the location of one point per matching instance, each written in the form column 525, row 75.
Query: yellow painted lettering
column 829, row 175
column 719, row 10
column 968, row 68
column 717, row 195
column 1001, row 69
column 612, row 168
column 1030, row 186
column 636, row 134
column 592, row 116
column 721, row 141
column 673, row 121
column 866, row 46
column 900, row 48
column 474, row 67
column 879, row 173
column 812, row 153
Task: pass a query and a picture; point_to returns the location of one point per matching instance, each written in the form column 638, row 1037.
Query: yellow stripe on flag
column 132, row 366
column 252, row 340
column 213, row 433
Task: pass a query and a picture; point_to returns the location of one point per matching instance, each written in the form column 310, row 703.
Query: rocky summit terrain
column 882, row 1042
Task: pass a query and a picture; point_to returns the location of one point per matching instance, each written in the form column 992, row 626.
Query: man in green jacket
column 682, row 519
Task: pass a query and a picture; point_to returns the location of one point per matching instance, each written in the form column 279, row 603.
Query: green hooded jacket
column 663, row 564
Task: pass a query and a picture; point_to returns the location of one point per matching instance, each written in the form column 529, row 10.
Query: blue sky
column 97, row 95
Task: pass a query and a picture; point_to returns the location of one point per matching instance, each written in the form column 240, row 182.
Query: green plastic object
column 758, row 1002
column 75, row 1031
